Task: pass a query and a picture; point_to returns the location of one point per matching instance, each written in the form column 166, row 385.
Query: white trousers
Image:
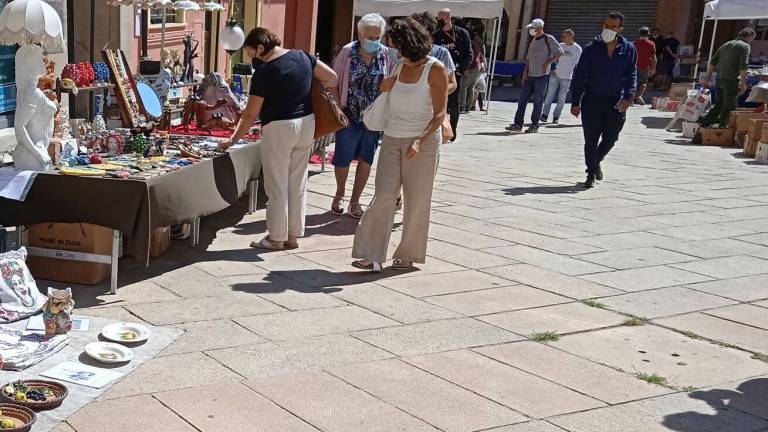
column 285, row 149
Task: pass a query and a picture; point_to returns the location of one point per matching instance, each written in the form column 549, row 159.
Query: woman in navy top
column 280, row 97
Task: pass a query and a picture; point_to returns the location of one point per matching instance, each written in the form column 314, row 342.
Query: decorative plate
column 126, row 332
column 108, row 352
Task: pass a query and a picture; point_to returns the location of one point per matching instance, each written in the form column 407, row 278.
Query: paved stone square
column 640, row 305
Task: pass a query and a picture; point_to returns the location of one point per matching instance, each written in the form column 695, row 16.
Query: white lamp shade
column 30, row 22
column 232, row 37
column 186, row 5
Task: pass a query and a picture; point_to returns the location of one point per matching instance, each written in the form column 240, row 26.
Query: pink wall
column 293, row 20
column 174, row 37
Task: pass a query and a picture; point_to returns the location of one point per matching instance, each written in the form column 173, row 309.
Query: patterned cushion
column 19, row 296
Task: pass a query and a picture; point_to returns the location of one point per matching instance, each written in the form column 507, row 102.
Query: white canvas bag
column 376, row 115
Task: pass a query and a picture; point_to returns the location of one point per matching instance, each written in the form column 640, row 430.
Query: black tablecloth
column 135, row 207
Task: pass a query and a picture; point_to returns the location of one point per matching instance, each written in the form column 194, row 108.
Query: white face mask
column 609, row 35
column 532, row 32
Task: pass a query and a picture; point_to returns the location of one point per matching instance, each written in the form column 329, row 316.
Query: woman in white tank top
column 409, row 153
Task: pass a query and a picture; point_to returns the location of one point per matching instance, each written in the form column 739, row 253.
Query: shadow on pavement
column 681, row 142
column 562, row 126
column 545, row 190
column 326, row 223
column 655, row 122
column 500, row 133
column 750, row 397
column 313, row 281
column 742, row 155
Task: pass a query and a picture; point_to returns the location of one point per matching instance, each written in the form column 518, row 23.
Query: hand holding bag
column 376, row 115
column 329, row 117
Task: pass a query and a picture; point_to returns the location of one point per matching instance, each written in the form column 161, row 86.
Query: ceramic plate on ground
column 126, row 332
column 108, row 352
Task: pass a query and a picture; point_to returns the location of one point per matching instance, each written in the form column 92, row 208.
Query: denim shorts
column 355, row 142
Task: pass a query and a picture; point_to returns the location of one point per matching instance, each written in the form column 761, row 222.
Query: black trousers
column 602, row 123
column 453, row 105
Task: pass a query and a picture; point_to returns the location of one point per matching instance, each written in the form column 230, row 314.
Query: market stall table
column 134, row 207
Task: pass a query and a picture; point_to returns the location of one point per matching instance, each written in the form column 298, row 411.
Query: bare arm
column 325, row 74
column 451, row 83
column 250, row 114
column 438, row 87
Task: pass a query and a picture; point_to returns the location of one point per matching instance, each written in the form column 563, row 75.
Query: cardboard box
column 159, row 242
column 734, row 114
column 743, row 120
column 679, row 90
column 86, row 238
column 755, row 129
column 739, row 138
column 750, row 146
column 761, row 155
column 54, row 150
column 690, row 129
column 717, row 136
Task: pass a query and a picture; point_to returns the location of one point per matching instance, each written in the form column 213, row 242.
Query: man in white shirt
column 560, row 79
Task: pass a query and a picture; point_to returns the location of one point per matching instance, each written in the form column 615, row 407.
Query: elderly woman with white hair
column 361, row 65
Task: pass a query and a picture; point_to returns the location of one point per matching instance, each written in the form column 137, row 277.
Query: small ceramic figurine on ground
column 57, row 311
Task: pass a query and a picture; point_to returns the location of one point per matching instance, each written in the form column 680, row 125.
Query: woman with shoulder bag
column 280, row 97
column 410, row 152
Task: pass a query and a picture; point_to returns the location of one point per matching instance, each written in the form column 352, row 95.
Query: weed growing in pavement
column 634, row 321
column 594, row 304
column 653, row 378
column 546, row 336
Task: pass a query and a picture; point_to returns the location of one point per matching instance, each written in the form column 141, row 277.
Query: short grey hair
column 569, row 32
column 372, row 20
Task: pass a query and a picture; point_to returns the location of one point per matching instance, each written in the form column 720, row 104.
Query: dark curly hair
column 427, row 20
column 410, row 38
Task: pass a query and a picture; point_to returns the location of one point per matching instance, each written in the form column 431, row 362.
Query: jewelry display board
column 132, row 109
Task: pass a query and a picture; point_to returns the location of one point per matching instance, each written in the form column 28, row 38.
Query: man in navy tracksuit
column 603, row 88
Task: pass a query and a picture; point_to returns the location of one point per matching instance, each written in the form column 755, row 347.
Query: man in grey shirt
column 542, row 52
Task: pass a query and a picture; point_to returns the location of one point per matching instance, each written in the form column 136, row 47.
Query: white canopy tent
column 729, row 10
column 490, row 9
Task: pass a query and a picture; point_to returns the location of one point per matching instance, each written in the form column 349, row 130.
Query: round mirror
column 149, row 98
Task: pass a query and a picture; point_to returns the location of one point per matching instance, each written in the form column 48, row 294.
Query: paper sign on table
column 78, row 323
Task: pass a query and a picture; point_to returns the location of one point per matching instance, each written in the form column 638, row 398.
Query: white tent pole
column 494, row 55
column 712, row 44
column 698, row 52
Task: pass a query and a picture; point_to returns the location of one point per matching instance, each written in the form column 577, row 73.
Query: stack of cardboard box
column 761, row 150
column 741, row 123
column 754, row 135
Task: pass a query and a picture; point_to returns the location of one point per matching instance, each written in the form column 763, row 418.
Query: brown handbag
column 329, row 116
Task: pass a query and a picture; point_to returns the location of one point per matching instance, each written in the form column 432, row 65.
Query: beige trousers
column 416, row 177
column 285, row 149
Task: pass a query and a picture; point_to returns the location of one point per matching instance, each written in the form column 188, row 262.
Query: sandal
column 337, row 205
column 399, row 203
column 399, row 264
column 355, row 210
column 367, row 265
column 291, row 245
column 267, row 244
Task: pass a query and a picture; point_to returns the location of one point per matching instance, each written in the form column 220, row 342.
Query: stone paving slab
column 309, row 354
column 664, row 302
column 394, row 305
column 435, row 336
column 552, row 281
column 721, row 330
column 439, row 402
column 586, row 377
column 123, row 415
column 634, row 258
column 724, row 268
column 446, row 283
column 645, row 278
column 717, row 248
column 314, row 322
column 648, row 349
column 749, row 396
column 333, row 405
column 747, row 288
column 210, row 335
column 517, row 389
column 532, row 426
column 551, row 261
column 677, row 412
column 744, row 313
column 494, row 300
column 203, row 309
column 563, row 318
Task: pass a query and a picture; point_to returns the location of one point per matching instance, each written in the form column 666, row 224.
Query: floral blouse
column 364, row 82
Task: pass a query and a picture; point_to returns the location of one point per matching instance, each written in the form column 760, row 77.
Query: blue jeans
column 535, row 89
column 602, row 123
column 558, row 87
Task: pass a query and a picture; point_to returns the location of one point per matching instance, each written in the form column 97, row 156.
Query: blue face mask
column 371, row 45
column 393, row 55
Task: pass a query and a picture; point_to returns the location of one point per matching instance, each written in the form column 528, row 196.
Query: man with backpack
column 542, row 52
